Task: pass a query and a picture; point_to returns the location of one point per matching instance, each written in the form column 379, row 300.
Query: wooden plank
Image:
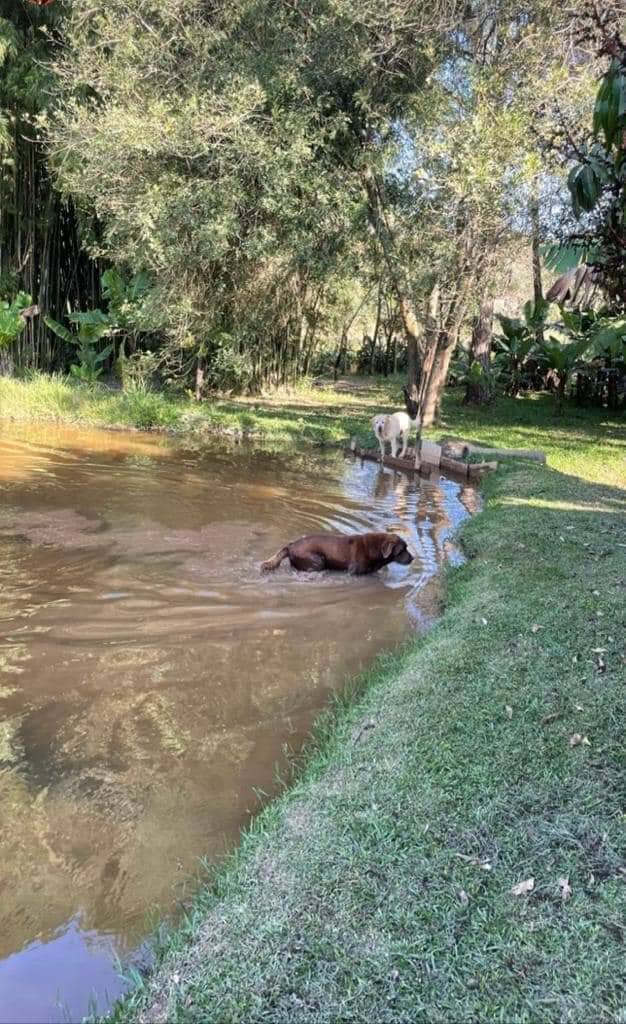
column 407, row 465
column 430, row 452
column 476, row 470
column 454, row 466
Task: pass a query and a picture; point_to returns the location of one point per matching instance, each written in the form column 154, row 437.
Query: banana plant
column 562, row 358
column 12, row 320
column 90, row 328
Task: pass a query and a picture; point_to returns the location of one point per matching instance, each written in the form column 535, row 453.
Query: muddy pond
column 151, row 678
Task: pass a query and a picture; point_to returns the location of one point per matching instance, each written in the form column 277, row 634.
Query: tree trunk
column 384, row 234
column 536, row 241
column 387, row 353
column 436, row 381
column 199, row 379
column 560, row 391
column 448, row 338
column 412, row 367
column 431, row 342
column 379, row 303
column 342, row 344
column 478, row 390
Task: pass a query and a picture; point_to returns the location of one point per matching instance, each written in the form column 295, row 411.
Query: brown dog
column 357, row 554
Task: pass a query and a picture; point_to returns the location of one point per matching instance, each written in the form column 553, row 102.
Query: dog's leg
column 309, row 563
column 404, row 440
column 381, row 445
column 274, row 562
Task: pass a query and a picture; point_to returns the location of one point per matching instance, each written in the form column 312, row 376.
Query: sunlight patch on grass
column 561, row 506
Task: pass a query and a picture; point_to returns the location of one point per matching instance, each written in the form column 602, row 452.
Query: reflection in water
column 150, row 676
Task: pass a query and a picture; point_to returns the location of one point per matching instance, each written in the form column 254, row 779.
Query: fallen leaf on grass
column 523, row 888
column 463, row 897
column 576, row 740
column 565, row 889
column 508, row 710
column 535, row 627
column 484, row 621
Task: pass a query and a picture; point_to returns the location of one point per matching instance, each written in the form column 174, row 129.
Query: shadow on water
column 150, row 677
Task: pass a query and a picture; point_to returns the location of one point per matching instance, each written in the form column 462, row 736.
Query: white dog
column 394, row 428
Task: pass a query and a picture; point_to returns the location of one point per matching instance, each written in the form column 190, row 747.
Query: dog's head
column 379, row 423
column 394, row 549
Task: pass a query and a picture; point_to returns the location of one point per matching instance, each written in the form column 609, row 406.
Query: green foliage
column 227, row 369
column 12, row 322
column 586, row 181
column 609, row 116
column 126, row 298
column 514, row 344
column 609, row 336
column 464, row 370
column 597, row 183
column 91, row 327
column 561, row 258
column 235, row 177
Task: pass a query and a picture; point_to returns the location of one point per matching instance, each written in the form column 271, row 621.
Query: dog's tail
column 274, row 562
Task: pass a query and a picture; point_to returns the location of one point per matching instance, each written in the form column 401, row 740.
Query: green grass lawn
column 379, row 887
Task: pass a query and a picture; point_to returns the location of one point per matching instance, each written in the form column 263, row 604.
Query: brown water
column 150, row 677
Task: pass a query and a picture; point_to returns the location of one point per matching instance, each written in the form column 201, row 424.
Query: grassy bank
column 304, row 415
column 380, row 887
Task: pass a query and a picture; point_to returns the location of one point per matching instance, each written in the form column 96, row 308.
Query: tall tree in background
column 249, row 138
column 40, row 241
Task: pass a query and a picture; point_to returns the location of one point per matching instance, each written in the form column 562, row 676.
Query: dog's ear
column 388, row 546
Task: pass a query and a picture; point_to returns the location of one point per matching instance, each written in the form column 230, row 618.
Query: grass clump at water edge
column 383, row 885
column 308, row 418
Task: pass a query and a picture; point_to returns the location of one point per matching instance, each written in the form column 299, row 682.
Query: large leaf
column 535, row 313
column 61, row 331
column 92, row 318
column 101, row 356
column 562, row 257
column 610, row 337
column 610, row 109
column 12, row 321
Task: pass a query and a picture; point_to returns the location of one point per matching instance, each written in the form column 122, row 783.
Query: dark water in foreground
column 150, row 676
